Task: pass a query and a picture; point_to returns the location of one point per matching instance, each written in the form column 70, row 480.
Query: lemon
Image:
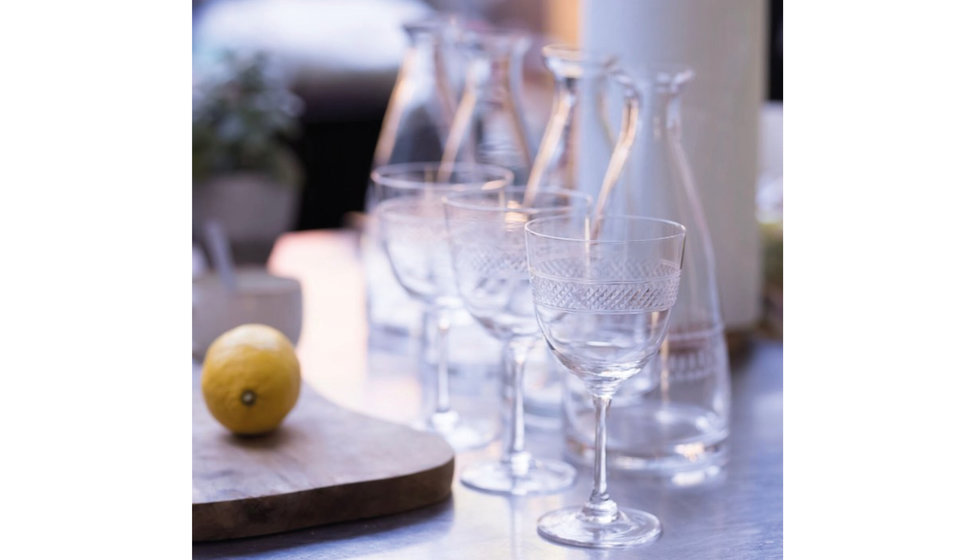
column 250, row 379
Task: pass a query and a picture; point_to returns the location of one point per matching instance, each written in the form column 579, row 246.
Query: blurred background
column 290, row 95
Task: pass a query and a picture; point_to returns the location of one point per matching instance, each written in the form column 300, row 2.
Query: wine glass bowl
column 628, row 302
column 490, row 256
column 415, row 239
column 603, row 289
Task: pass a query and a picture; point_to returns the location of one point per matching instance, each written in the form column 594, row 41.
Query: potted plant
column 245, row 176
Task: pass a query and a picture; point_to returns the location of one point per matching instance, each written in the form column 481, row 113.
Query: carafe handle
column 560, row 113
column 621, row 151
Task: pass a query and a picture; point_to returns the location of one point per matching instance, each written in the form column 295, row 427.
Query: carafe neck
column 426, row 65
column 491, row 56
column 662, row 89
column 572, row 67
column 425, row 47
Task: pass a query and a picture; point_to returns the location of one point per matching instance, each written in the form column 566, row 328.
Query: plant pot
column 252, row 209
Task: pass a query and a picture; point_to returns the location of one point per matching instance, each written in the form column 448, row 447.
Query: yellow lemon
column 250, row 379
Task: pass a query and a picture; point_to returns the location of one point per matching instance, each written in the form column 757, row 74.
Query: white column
column 724, row 42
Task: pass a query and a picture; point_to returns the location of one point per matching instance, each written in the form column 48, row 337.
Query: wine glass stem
column 515, row 357
column 443, row 323
column 600, row 508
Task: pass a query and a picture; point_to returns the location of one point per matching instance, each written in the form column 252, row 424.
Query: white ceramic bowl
column 260, row 297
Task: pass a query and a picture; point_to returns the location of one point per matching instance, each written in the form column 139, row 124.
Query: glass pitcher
column 488, row 126
column 674, row 417
column 580, row 110
column 422, row 103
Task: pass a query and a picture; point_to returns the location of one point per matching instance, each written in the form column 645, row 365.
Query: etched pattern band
column 695, row 355
column 639, row 286
column 491, row 261
column 413, row 224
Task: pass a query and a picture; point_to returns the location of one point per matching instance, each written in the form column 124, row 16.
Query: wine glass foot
column 460, row 434
column 543, row 477
column 569, row 526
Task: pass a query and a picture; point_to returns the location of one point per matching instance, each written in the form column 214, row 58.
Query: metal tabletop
column 734, row 515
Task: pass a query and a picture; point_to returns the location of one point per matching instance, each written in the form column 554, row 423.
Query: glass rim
column 456, row 199
column 681, row 230
column 663, row 73
column 496, row 174
column 494, row 38
column 571, row 53
column 432, row 23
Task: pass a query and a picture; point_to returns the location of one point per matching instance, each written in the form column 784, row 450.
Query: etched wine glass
column 603, row 289
column 413, row 232
column 489, row 256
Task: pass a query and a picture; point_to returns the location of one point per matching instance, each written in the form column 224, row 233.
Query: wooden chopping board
column 324, row 464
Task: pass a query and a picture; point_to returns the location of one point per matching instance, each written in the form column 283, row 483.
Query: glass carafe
column 488, row 126
column 674, row 417
column 581, row 118
column 583, row 108
column 415, row 127
column 423, row 101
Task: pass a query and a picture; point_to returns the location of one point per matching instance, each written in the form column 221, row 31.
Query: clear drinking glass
column 602, row 294
column 413, row 232
column 486, row 237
